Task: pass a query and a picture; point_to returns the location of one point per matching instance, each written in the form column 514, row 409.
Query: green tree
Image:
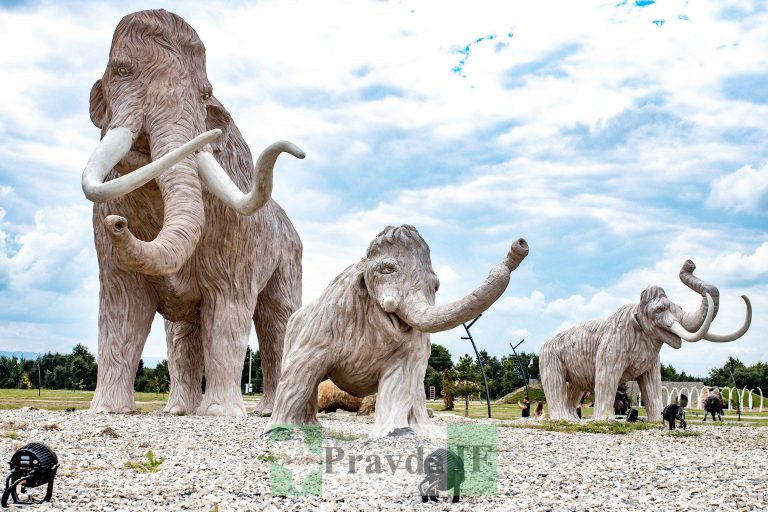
column 440, row 358
column 467, row 369
column 161, row 380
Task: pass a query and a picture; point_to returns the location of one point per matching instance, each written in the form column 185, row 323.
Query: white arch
column 686, row 392
column 663, row 389
column 730, row 396
column 672, row 393
column 694, row 404
column 639, row 398
column 749, row 395
column 761, row 399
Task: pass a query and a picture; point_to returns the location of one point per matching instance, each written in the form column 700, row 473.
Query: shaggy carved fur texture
column 600, row 354
column 174, row 248
column 368, row 332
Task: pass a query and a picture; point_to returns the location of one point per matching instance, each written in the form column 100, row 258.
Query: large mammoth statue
column 369, row 332
column 174, row 233
column 625, row 346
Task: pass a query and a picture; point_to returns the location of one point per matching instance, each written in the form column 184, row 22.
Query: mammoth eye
column 206, row 96
column 123, row 71
column 388, row 269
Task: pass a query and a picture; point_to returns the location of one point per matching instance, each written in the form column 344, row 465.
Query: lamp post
column 250, row 363
column 39, row 376
column 520, row 368
column 480, row 361
column 738, row 395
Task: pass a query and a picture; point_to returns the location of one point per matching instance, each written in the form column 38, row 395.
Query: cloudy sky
column 619, row 138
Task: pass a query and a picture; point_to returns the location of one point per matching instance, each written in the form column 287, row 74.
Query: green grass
column 151, row 465
column 340, row 436
column 592, row 427
column 683, row 433
column 478, row 410
column 61, row 399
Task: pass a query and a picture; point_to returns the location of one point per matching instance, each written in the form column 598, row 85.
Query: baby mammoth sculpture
column 369, row 332
column 625, row 346
column 206, row 256
column 713, row 404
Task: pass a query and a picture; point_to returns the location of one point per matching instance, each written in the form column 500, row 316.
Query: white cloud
column 600, row 156
column 745, row 190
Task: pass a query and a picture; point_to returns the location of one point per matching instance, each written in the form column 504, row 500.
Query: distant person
column 539, row 410
column 525, row 407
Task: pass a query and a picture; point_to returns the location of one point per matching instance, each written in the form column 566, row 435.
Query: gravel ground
column 223, row 464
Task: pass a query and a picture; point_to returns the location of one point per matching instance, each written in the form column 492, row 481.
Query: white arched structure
column 730, row 396
column 664, row 390
column 761, row 399
column 694, row 404
column 749, row 396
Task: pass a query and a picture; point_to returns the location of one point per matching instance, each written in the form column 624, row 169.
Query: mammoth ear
column 216, row 116
column 98, row 107
column 361, row 287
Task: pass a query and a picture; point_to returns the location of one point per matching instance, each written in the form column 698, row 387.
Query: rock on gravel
column 224, row 464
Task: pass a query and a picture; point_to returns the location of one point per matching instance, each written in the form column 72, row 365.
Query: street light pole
column 520, row 368
column 250, row 363
column 480, row 361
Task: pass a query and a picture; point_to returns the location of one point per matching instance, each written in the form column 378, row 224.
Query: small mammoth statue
column 713, row 404
column 369, row 332
column 625, row 346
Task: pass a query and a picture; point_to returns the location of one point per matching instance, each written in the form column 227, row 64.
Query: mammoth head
column 156, row 109
column 399, row 278
column 656, row 314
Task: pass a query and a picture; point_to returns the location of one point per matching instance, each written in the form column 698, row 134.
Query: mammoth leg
column 185, row 366
column 553, row 380
column 650, row 387
column 226, row 326
column 573, row 397
column 296, row 396
column 608, row 371
column 277, row 302
column 400, row 400
column 126, row 308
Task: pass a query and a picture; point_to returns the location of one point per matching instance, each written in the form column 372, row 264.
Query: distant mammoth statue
column 174, row 232
column 331, row 399
column 625, row 346
column 713, row 404
column 369, row 332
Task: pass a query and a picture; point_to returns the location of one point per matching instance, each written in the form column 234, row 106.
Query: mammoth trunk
column 693, row 321
column 183, row 214
column 428, row 318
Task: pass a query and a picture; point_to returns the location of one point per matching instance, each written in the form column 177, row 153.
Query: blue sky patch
column 551, row 65
column 749, row 87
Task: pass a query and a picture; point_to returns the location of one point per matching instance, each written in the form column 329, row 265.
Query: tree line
column 77, row 371
column 504, row 375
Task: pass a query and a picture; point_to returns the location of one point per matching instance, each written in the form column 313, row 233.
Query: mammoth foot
column 213, row 407
column 264, row 407
column 123, row 403
column 179, row 406
column 103, row 408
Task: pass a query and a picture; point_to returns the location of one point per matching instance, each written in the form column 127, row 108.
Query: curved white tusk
column 221, row 185
column 113, row 147
column 679, row 330
column 717, row 338
column 389, row 304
